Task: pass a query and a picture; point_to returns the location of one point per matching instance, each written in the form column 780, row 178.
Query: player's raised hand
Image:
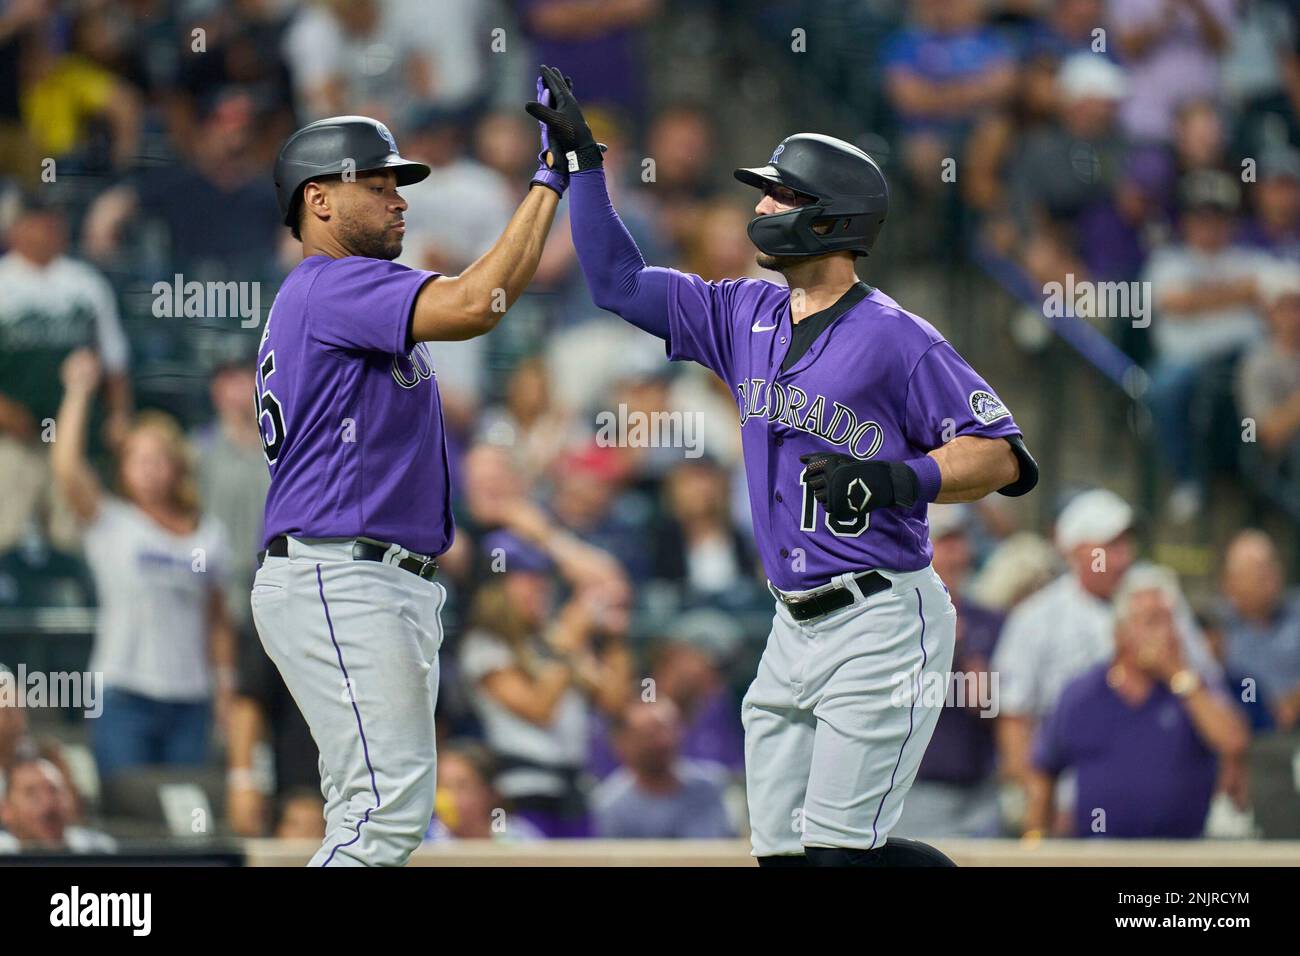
column 846, row 487
column 567, row 133
column 551, row 171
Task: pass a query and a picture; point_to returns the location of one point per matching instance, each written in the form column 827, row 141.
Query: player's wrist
column 584, row 157
column 548, row 176
column 929, row 479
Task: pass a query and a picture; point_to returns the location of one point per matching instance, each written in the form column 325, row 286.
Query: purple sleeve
column 946, row 399
column 700, row 321
column 364, row 304
column 617, row 275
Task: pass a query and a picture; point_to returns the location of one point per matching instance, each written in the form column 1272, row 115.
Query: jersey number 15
column 270, row 415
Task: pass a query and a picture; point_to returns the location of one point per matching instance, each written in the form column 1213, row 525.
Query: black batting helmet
column 334, row 145
column 846, row 187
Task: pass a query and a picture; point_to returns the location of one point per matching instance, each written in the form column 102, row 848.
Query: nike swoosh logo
column 761, row 328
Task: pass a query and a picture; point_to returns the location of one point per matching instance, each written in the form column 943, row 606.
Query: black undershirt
column 805, row 333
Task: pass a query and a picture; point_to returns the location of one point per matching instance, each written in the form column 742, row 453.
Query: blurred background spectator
column 656, row 794
column 163, row 642
column 956, row 787
column 37, row 809
column 1142, row 731
column 1203, row 291
column 538, row 672
column 53, row 304
column 468, row 805
column 1262, row 625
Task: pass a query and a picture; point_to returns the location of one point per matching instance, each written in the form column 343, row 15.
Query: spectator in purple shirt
column 598, row 43
column 688, row 670
column 956, row 792
column 1143, row 733
column 1172, row 50
column 657, row 794
column 940, row 75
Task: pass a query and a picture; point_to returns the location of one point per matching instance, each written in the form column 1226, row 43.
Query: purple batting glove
column 546, row 175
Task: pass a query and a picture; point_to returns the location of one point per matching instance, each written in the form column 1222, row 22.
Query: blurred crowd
column 606, row 607
column 1149, row 143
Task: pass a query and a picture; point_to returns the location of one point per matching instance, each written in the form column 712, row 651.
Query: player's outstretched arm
column 616, row 272
column 455, row 308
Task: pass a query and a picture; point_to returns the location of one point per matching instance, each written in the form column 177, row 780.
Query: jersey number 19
column 840, row 527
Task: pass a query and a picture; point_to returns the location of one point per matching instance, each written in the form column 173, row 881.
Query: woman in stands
column 162, row 640
column 537, row 673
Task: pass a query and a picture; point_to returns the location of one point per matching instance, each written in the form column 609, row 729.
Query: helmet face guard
column 791, row 233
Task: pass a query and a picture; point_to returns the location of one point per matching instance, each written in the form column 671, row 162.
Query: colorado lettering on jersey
column 784, row 404
column 412, row 369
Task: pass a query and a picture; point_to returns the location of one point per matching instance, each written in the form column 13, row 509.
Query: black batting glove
column 569, row 136
column 846, row 487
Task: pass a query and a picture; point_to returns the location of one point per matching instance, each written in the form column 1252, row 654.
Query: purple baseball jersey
column 879, row 383
column 350, row 414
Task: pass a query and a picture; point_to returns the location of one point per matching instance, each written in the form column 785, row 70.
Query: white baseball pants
column 357, row 645
column 836, row 722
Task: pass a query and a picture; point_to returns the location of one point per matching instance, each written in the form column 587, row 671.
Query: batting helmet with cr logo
column 850, row 197
column 335, row 145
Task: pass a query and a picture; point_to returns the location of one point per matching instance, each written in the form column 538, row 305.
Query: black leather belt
column 819, row 605
column 419, row 565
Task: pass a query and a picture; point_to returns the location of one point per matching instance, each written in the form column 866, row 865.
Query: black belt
column 822, row 604
column 420, row 566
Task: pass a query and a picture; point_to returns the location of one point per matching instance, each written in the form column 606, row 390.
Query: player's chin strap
column 1028, row 470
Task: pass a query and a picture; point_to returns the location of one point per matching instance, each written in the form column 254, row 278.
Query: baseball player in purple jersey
column 855, row 414
column 345, row 600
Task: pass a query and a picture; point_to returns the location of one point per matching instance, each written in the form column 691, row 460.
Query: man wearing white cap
column 1063, row 169
column 1058, row 633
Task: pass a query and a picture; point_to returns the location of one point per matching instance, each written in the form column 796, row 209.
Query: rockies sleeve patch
column 987, row 407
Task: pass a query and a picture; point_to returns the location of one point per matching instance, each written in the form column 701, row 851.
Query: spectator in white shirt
column 1268, row 378
column 1067, row 627
column 1205, row 310
column 163, row 640
column 51, row 304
